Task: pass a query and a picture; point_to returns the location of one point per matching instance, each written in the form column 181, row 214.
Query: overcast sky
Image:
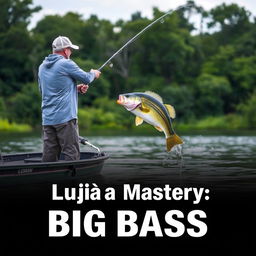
column 122, row 9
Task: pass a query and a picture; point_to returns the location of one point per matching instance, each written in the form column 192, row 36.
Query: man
column 57, row 78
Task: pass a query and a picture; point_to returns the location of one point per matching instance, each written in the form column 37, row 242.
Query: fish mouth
column 121, row 100
column 128, row 103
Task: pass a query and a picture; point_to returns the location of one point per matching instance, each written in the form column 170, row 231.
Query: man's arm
column 78, row 74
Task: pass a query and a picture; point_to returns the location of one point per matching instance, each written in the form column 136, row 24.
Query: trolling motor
column 86, row 142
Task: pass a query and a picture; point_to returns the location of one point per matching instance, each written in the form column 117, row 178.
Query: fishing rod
column 143, row 30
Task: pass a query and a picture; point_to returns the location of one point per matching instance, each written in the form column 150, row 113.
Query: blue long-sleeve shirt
column 57, row 78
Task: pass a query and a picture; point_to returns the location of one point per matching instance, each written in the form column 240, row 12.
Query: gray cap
column 62, row 42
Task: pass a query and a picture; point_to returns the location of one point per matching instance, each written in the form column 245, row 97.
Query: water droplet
column 111, row 65
column 174, row 157
column 178, row 151
column 162, row 21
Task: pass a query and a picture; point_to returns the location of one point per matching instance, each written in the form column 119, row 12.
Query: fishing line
column 143, row 30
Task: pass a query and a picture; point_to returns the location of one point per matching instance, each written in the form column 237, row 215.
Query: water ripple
column 144, row 158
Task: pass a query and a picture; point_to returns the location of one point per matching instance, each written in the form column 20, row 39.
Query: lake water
column 226, row 161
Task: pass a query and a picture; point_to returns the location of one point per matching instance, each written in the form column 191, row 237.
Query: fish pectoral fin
column 171, row 110
column 138, row 120
column 172, row 141
column 158, row 128
column 143, row 108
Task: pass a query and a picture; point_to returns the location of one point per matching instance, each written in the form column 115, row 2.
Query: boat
column 25, row 167
column 28, row 167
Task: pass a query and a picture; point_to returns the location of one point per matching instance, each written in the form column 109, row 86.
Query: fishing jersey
column 57, row 79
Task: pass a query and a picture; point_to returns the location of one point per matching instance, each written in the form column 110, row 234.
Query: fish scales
column 160, row 116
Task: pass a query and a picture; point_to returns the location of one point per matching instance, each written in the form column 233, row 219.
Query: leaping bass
column 149, row 107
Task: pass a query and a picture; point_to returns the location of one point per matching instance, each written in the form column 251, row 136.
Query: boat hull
column 28, row 167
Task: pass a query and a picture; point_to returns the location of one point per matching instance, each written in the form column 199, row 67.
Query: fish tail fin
column 172, row 141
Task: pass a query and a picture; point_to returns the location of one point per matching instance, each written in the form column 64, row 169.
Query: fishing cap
column 62, row 42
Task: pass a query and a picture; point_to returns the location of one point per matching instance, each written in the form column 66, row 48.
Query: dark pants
column 61, row 138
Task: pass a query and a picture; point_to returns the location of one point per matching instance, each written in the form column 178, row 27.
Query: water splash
column 174, row 157
column 178, row 151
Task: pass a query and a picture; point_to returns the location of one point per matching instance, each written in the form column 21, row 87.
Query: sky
column 114, row 10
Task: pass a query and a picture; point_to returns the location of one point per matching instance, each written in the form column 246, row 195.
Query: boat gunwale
column 5, row 164
column 47, row 171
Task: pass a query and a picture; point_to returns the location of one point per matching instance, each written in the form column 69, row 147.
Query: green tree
column 15, row 12
column 163, row 51
column 239, row 71
column 182, row 99
column 210, row 94
column 2, row 108
column 232, row 20
column 244, row 76
column 25, row 107
column 229, row 16
column 247, row 109
column 15, row 45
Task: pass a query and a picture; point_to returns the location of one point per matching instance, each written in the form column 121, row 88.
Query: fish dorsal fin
column 138, row 120
column 154, row 95
column 158, row 128
column 171, row 110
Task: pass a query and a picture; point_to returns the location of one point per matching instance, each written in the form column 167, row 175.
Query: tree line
column 206, row 73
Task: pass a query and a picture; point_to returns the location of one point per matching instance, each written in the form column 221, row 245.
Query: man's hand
column 82, row 88
column 96, row 72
